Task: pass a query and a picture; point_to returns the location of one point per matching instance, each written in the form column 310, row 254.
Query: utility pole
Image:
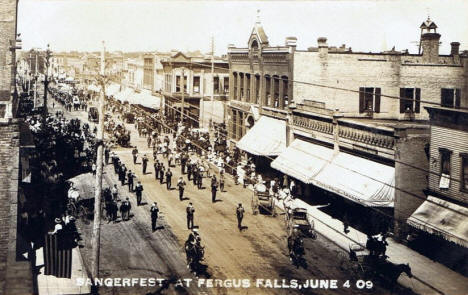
column 29, row 72
column 46, row 81
column 98, row 187
column 183, row 97
column 35, row 83
column 212, row 78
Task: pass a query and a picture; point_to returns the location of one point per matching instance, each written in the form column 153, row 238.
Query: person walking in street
column 122, row 174
column 106, row 155
column 138, row 192
column 157, row 167
column 144, row 162
column 149, row 141
column 189, row 170
column 199, row 179
column 130, row 177
column 125, row 209
column 240, row 215
column 135, row 154
column 161, row 174
column 154, row 210
column 115, row 192
column 168, row 178
column 190, row 212
column 181, row 185
column 214, row 188
column 221, row 182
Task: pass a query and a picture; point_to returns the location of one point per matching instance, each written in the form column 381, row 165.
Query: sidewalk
column 51, row 285
column 429, row 277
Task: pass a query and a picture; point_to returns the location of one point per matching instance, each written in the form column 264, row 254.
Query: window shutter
column 402, row 100
column 457, row 98
column 377, row 100
column 417, row 102
column 361, row 99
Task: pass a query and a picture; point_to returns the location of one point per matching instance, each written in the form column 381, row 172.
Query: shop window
column 450, row 98
column 196, row 84
column 226, row 85
column 445, row 156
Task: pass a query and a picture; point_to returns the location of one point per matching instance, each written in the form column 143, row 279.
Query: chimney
column 455, row 48
column 291, row 42
column 322, row 45
column 430, row 47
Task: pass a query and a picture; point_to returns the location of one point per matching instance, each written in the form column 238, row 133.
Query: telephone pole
column 183, row 97
column 212, row 78
column 46, row 81
column 98, row 187
column 35, row 83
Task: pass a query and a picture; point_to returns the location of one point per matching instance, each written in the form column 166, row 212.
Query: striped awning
column 360, row 180
column 443, row 218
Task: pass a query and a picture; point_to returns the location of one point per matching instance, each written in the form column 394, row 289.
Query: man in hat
column 135, row 154
column 240, row 215
column 156, row 169
column 106, row 154
column 154, row 210
column 58, row 226
column 115, row 192
column 168, row 178
column 130, row 177
column 161, row 174
column 199, row 178
column 190, row 212
column 125, row 209
column 221, row 182
column 138, row 192
column 214, row 188
column 144, row 161
column 181, row 185
column 122, row 174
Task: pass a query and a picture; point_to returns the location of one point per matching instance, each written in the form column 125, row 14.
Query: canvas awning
column 360, row 180
column 125, row 94
column 266, row 138
column 146, row 99
column 442, row 218
column 300, row 162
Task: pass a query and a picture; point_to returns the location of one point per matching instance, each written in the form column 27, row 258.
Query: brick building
column 193, row 70
column 15, row 271
column 259, row 77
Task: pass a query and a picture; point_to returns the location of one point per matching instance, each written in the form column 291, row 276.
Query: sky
column 143, row 25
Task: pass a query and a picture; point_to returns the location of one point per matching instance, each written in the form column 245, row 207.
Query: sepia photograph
column 218, row 147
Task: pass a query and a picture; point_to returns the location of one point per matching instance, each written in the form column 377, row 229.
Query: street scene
column 246, row 150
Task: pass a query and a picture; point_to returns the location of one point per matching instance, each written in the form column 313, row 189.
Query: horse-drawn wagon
column 299, row 218
column 261, row 198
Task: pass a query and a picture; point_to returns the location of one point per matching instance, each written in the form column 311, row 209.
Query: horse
column 296, row 251
column 194, row 254
column 389, row 272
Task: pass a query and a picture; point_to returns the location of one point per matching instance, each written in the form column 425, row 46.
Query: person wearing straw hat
column 154, row 210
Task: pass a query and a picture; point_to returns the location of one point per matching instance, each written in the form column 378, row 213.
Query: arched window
column 254, row 45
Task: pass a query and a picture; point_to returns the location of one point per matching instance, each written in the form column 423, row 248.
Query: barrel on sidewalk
column 57, row 256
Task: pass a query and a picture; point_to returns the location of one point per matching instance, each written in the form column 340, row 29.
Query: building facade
column 200, row 87
column 259, row 77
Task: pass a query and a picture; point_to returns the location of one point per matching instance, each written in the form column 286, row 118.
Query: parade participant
column 58, row 226
column 93, row 169
column 199, row 178
column 154, row 210
column 135, row 154
column 114, row 192
column 125, row 208
column 156, row 169
column 195, row 174
column 240, row 215
column 144, row 162
column 190, row 212
column 214, row 188
column 106, row 154
column 138, row 192
column 168, row 178
column 149, row 141
column 161, row 174
column 221, row 181
column 181, row 185
column 130, row 177
column 189, row 170
column 183, row 163
column 122, row 173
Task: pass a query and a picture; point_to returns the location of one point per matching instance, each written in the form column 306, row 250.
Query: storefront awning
column 112, row 89
column 124, row 95
column 300, row 162
column 266, row 138
column 360, row 180
column 146, row 99
column 443, row 218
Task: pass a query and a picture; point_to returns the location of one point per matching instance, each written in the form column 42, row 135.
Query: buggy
column 261, row 198
column 298, row 218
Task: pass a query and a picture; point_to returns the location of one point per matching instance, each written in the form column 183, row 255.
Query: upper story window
column 216, row 85
column 369, row 99
column 196, row 84
column 450, row 98
column 445, row 168
column 410, row 100
column 226, row 85
column 254, row 46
